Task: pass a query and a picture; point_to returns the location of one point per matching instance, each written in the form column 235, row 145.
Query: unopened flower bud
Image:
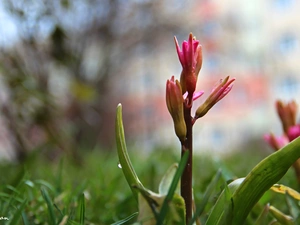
column 190, row 57
column 287, row 114
column 174, row 102
column 219, row 92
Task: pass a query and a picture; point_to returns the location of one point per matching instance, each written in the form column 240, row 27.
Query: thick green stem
column 186, row 178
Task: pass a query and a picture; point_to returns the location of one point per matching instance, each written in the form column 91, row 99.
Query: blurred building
column 258, row 44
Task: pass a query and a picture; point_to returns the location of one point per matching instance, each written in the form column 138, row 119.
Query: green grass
column 43, row 191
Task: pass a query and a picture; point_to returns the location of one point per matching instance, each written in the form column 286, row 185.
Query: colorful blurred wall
column 257, row 42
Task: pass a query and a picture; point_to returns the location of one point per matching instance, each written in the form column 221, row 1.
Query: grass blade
column 50, row 206
column 206, row 196
column 126, row 219
column 82, row 208
column 25, row 219
column 219, row 209
column 17, row 214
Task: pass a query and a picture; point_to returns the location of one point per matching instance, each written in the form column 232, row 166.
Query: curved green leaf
column 166, row 181
column 124, row 160
column 281, row 217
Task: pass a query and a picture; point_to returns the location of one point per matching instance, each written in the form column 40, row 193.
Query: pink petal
column 197, row 95
column 179, row 52
column 294, row 132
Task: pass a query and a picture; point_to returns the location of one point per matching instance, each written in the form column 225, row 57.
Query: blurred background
column 65, row 65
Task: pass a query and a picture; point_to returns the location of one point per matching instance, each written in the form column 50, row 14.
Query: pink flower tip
column 293, row 132
column 276, row 142
column 196, row 95
column 190, row 57
column 219, row 92
column 222, row 89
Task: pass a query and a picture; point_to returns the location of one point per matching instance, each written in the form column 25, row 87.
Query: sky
column 8, row 29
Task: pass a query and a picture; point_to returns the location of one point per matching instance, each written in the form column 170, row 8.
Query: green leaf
column 274, row 222
column 150, row 204
column 261, row 178
column 226, row 217
column 126, row 219
column 294, row 207
column 220, row 209
column 167, row 179
column 17, row 215
column 124, row 160
column 281, row 217
column 82, row 208
column 166, row 208
column 177, row 176
column 25, row 219
column 262, row 218
column 206, row 196
column 46, row 184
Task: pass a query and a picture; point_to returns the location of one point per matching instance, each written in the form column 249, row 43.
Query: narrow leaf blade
column 17, row 215
column 50, row 206
column 82, row 209
column 206, row 196
column 123, row 221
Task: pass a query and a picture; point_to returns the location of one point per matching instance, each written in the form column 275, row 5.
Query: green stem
column 186, row 178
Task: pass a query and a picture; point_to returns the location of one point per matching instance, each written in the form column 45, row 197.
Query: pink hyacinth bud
column 219, row 92
column 190, row 57
column 287, row 114
column 174, row 100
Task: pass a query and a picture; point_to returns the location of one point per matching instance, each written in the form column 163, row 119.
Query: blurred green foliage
column 108, row 198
